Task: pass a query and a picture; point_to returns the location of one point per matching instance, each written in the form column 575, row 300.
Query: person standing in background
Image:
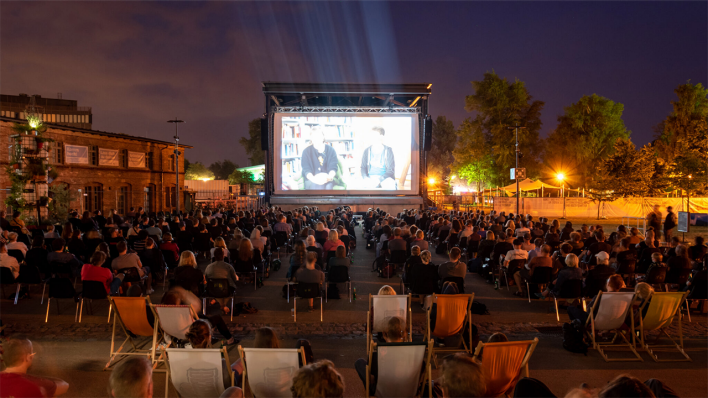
column 669, row 223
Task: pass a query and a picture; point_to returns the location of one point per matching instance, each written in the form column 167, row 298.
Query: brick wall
column 107, row 180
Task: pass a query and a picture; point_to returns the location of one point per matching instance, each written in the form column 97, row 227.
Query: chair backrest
column 61, row 288
column 6, row 276
column 29, row 274
column 398, row 256
column 175, row 320
column 338, row 274
column 281, row 237
column 504, row 363
column 399, row 368
column 308, row 290
column 612, row 310
column 572, row 288
column 17, row 254
column 451, row 313
column 627, row 266
column 385, row 307
column 217, row 288
column 169, row 256
column 656, row 275
column 93, row 290
column 662, row 309
column 132, row 312
column 63, row 269
column 270, row 371
column 517, row 263
column 196, row 373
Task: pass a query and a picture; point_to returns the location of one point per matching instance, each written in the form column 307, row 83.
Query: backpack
column 478, row 308
column 573, row 338
column 276, row 265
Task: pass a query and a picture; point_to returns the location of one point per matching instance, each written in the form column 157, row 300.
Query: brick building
column 58, row 111
column 104, row 171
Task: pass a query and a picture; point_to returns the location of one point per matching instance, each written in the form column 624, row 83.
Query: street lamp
column 431, row 181
column 516, row 170
column 176, row 121
column 688, row 193
column 561, row 178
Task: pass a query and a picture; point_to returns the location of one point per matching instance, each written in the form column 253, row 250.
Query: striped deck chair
column 384, row 307
column 268, row 372
column 402, row 370
column 661, row 311
column 504, row 364
column 452, row 314
column 131, row 313
column 612, row 309
column 197, row 372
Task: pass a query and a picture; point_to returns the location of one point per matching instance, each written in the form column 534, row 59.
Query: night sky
column 139, row 64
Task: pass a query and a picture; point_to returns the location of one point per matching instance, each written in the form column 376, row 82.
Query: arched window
column 123, row 199
column 93, row 197
column 149, row 202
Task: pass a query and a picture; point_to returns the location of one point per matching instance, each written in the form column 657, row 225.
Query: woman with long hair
column 188, row 275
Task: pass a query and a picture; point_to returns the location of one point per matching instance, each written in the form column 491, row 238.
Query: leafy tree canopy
column 222, row 170
column 440, row 155
column 197, row 171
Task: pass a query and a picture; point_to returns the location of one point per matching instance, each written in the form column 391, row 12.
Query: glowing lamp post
column 561, row 178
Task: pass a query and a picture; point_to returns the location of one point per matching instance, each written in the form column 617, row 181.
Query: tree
column 585, row 137
column 499, row 104
column 440, row 155
column 252, row 144
column 473, row 162
column 222, row 170
column 241, row 177
column 683, row 137
column 197, row 171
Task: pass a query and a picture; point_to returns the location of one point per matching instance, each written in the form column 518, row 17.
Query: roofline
column 346, row 88
column 96, row 132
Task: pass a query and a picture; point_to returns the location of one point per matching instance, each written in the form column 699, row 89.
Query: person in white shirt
column 521, row 230
column 13, row 244
column 7, row 261
column 468, row 230
column 516, row 254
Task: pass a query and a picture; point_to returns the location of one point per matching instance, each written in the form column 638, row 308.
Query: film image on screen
column 346, row 153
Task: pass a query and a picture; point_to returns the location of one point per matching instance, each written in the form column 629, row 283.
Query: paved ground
column 77, row 352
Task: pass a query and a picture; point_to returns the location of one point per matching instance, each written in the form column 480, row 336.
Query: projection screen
column 346, row 154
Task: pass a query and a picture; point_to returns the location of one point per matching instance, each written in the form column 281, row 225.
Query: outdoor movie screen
column 346, row 154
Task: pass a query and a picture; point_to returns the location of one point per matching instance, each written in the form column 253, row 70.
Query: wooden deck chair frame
column 139, row 348
column 524, row 366
column 467, row 321
column 164, row 334
column 168, row 371
column 244, row 376
column 425, row 375
column 370, row 327
column 602, row 348
column 654, row 348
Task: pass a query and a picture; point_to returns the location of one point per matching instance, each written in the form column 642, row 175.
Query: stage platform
column 390, row 204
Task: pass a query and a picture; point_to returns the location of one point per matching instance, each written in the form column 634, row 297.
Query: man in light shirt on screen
column 319, row 162
column 378, row 164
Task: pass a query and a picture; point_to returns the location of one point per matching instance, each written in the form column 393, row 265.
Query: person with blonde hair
column 332, row 241
column 257, row 241
column 386, row 290
column 188, row 275
column 219, row 242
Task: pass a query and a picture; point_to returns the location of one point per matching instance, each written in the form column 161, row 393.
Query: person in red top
column 93, row 271
column 167, row 244
column 333, row 241
column 15, row 382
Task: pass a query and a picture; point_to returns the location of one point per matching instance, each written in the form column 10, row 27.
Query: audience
column 131, row 378
column 18, row 357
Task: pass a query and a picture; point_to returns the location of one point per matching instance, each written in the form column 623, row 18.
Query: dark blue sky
column 139, row 64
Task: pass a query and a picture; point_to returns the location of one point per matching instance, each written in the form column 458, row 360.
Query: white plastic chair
column 612, row 309
column 385, row 307
column 197, row 373
column 268, row 372
column 402, row 368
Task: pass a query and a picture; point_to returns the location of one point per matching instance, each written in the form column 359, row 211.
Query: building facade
column 103, row 171
column 56, row 111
